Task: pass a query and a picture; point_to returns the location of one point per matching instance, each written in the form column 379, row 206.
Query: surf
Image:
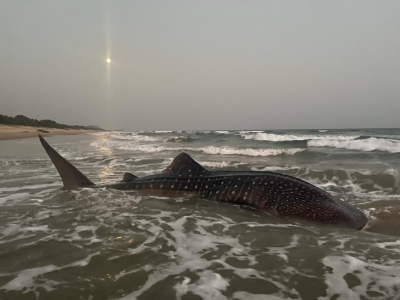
column 282, row 194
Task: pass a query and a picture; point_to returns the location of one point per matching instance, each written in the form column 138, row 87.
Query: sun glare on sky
column 108, row 60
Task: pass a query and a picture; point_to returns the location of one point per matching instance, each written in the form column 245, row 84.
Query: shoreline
column 15, row 132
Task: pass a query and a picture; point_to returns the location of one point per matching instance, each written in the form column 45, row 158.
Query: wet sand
column 9, row 132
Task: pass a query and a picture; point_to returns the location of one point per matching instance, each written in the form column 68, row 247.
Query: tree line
column 23, row 120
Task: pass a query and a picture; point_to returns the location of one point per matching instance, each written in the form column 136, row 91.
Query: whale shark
column 279, row 194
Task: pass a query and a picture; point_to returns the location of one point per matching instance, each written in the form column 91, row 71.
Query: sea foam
column 214, row 164
column 225, row 150
column 136, row 137
column 249, row 151
column 369, row 144
column 261, row 136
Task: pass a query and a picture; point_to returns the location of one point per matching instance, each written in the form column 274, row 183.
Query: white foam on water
column 249, row 151
column 36, row 228
column 188, row 255
column 260, row 136
column 28, row 187
column 75, row 236
column 189, row 247
column 225, row 150
column 222, row 131
column 209, row 286
column 396, row 175
column 99, row 133
column 175, row 139
column 391, row 246
column 132, row 147
column 214, row 164
column 379, row 278
column 26, row 279
column 249, row 296
column 283, row 251
column 45, row 214
column 35, row 199
column 13, row 197
column 282, row 225
column 10, row 229
column 135, row 137
column 370, row 144
column 249, row 131
column 163, row 131
column 340, row 187
column 272, row 168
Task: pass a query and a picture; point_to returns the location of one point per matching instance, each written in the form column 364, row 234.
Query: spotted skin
column 278, row 193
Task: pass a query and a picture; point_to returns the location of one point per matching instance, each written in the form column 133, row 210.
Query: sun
column 108, row 60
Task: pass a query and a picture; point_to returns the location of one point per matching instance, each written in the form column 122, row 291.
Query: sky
column 195, row 65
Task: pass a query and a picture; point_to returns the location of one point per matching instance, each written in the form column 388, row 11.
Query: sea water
column 108, row 244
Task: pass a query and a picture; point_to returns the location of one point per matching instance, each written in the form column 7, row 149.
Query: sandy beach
column 12, row 132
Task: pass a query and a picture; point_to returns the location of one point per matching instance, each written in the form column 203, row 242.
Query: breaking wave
column 249, row 151
column 207, row 150
column 135, row 137
column 249, row 131
column 272, row 137
column 369, row 144
column 214, row 164
column 146, row 138
column 177, row 139
column 190, row 248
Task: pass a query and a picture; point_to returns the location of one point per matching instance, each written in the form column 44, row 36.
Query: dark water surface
column 107, row 244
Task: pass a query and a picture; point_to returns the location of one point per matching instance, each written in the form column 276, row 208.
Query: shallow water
column 107, row 244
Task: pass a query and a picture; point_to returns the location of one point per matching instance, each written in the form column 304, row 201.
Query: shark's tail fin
column 71, row 176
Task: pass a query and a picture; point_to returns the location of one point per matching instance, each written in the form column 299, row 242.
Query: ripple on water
column 102, row 244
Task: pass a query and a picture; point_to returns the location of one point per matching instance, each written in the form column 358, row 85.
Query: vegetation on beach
column 25, row 121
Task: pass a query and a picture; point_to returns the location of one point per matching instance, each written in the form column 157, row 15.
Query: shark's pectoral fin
column 72, row 178
column 183, row 164
column 128, row 177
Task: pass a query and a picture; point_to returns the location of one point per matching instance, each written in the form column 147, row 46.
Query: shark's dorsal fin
column 183, row 164
column 72, row 178
column 128, row 177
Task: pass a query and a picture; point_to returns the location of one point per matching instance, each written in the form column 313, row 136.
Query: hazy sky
column 202, row 64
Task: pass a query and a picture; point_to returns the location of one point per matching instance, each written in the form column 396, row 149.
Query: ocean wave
column 135, row 137
column 382, row 137
column 177, row 139
column 322, row 130
column 214, row 164
column 146, row 138
column 225, row 150
column 249, row 151
column 369, row 144
column 222, row 132
column 272, row 137
column 249, row 131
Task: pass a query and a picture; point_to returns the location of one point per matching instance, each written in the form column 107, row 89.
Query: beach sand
column 13, row 132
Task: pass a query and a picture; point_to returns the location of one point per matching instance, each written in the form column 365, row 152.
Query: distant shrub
column 23, row 120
